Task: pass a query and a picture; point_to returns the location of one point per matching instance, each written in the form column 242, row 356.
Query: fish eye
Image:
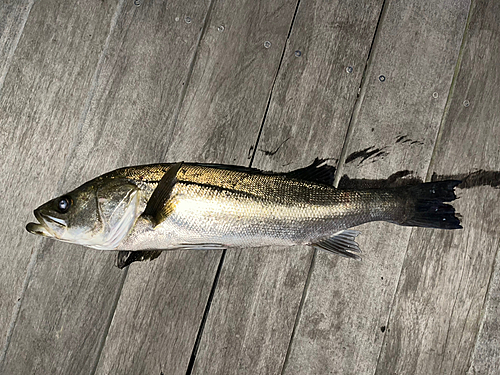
column 63, row 204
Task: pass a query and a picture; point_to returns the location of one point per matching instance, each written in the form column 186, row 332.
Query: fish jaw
column 41, row 228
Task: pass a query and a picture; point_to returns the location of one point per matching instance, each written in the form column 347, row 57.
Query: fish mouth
column 42, row 228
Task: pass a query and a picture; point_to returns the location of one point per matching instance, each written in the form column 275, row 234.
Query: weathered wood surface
column 90, row 87
column 13, row 15
column 260, row 290
column 41, row 102
column 347, row 303
column 138, row 84
column 478, row 83
column 219, row 121
column 441, row 293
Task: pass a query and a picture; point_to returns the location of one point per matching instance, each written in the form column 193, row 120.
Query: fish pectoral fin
column 341, row 243
column 125, row 258
column 157, row 208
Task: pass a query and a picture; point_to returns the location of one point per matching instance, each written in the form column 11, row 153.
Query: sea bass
column 143, row 210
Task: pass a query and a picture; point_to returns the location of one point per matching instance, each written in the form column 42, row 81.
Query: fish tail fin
column 430, row 211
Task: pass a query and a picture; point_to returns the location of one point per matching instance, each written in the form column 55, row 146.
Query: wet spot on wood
column 271, row 153
column 368, row 153
column 405, row 139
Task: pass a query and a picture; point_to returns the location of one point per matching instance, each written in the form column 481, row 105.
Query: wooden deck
column 89, row 86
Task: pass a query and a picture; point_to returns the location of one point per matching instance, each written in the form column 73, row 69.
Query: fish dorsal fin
column 341, row 243
column 125, row 258
column 318, row 171
column 157, row 208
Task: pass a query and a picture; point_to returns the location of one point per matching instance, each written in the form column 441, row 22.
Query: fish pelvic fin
column 157, row 208
column 125, row 258
column 341, row 243
column 429, row 210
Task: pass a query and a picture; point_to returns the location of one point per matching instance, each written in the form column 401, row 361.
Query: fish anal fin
column 342, row 243
column 158, row 206
column 125, row 258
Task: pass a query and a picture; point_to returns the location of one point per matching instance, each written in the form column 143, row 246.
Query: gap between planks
column 219, row 267
column 176, row 116
column 357, row 105
column 273, row 84
column 338, row 174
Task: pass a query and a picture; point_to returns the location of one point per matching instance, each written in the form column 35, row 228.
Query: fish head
column 98, row 214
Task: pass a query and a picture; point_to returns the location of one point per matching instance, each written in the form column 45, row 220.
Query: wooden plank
column 481, row 63
column 340, row 329
column 41, row 101
column 13, row 16
column 440, row 298
column 486, row 354
column 12, row 19
column 259, row 290
column 219, row 121
column 72, row 293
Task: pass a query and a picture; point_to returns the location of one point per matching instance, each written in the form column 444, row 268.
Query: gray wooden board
column 259, row 290
column 440, row 298
column 43, row 95
column 480, row 70
column 347, row 303
column 72, row 292
column 158, row 314
column 219, row 121
column 13, row 14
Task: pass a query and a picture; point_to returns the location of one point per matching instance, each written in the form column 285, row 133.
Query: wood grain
column 13, row 15
column 347, row 304
column 440, row 299
column 72, row 292
column 41, row 101
column 259, row 290
column 219, row 121
column 90, row 86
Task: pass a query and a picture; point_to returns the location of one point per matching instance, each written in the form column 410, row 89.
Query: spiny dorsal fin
column 341, row 243
column 157, row 208
column 125, row 258
column 318, row 171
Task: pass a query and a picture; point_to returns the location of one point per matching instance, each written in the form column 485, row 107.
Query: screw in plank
column 435, row 95
column 298, row 53
column 381, row 78
column 267, row 44
column 221, row 28
column 349, row 69
column 187, row 19
column 466, row 103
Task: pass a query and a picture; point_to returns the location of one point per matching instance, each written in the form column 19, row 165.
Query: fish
column 141, row 211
